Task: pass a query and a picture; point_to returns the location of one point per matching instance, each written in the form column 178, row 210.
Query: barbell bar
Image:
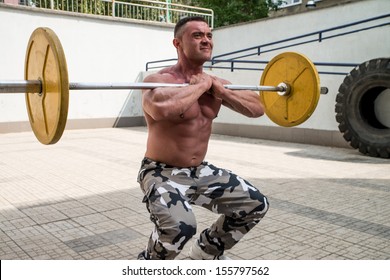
column 46, row 87
column 35, row 86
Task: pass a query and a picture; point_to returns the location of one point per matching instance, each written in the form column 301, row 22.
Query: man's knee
column 256, row 208
column 262, row 206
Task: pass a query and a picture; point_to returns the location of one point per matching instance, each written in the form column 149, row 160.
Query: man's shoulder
column 166, row 75
column 167, row 70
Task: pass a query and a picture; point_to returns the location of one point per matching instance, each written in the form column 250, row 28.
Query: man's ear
column 176, row 43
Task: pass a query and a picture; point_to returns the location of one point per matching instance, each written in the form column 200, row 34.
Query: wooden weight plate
column 45, row 61
column 300, row 74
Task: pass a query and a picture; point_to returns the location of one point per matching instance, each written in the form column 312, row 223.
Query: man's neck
column 188, row 69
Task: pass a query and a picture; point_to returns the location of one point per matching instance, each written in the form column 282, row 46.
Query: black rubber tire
column 355, row 111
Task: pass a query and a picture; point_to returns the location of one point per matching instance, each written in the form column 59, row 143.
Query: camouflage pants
column 170, row 192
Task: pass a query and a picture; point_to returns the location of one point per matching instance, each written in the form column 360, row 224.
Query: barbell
column 46, row 86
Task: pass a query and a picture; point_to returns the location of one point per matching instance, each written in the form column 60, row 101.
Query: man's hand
column 202, row 78
column 217, row 88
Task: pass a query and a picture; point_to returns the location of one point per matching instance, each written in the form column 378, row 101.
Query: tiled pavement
column 79, row 199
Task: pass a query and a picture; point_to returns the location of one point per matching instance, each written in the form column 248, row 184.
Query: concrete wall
column 97, row 49
column 104, row 49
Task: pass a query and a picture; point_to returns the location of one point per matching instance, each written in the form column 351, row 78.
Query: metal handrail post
column 168, row 15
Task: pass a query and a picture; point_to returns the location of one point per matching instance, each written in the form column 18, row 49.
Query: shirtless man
column 173, row 174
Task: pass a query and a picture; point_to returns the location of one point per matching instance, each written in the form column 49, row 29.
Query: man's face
column 196, row 41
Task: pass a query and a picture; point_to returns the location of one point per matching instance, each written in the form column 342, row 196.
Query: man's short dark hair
column 183, row 21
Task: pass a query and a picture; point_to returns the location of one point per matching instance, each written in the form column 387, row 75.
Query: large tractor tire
column 363, row 108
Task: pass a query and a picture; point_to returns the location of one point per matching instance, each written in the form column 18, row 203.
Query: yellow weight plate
column 300, row 73
column 45, row 61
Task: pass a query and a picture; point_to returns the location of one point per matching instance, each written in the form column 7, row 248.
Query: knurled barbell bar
column 47, row 87
column 35, row 86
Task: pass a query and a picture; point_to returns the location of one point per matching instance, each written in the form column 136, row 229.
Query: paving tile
column 79, row 199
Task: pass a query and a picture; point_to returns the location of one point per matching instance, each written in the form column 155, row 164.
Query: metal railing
column 160, row 11
column 233, row 60
column 317, row 36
